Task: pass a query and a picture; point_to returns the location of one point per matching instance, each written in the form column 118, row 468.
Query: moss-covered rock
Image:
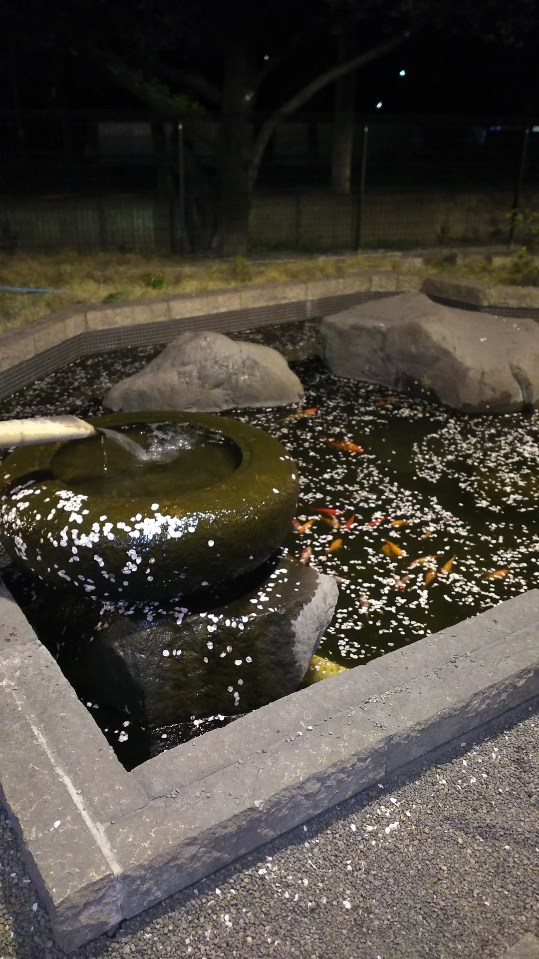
column 145, row 544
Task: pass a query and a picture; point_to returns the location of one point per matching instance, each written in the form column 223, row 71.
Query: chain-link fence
column 91, row 181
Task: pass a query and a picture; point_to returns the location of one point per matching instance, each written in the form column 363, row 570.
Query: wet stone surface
column 143, row 667
column 436, row 863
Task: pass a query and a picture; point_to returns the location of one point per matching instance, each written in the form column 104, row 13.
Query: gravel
column 440, row 862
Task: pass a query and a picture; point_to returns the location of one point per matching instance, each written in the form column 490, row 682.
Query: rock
column 162, row 664
column 457, row 288
column 208, row 372
column 200, row 519
column 472, row 362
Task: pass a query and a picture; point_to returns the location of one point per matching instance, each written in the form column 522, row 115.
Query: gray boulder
column 163, row 665
column 208, row 372
column 470, row 361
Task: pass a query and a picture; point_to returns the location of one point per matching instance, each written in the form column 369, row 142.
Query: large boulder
column 208, row 372
column 470, row 361
column 162, row 664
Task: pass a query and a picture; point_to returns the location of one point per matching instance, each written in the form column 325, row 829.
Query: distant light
column 379, row 105
column 266, row 57
column 535, row 129
column 402, row 73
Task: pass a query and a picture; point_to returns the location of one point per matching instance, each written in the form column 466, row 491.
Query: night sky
column 443, row 76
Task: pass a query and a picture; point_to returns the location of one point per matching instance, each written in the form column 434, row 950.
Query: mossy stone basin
column 88, row 515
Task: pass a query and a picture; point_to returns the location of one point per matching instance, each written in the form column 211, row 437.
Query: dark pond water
column 160, row 460
column 435, row 516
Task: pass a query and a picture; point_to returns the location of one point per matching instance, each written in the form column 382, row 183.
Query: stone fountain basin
column 132, row 542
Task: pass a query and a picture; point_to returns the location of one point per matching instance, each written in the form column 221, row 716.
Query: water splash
column 162, row 449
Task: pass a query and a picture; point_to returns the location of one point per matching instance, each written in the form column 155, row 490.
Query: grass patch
column 112, row 277
column 86, row 279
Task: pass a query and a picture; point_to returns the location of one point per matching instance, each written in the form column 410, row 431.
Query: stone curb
column 460, row 291
column 64, row 336
column 41, row 335
column 103, row 844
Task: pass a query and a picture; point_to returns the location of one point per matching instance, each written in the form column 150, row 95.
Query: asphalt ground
column 441, row 862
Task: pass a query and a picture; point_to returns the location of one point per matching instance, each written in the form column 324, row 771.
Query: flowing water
column 165, row 460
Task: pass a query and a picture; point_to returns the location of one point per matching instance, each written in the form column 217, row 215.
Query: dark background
column 445, row 75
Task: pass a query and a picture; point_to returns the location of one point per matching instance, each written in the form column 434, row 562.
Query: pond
column 426, row 517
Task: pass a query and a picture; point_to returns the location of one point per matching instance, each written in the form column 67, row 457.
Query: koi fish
column 336, row 544
column 423, row 559
column 349, row 522
column 374, row 522
column 430, row 575
column 447, row 566
column 399, row 522
column 391, row 549
column 328, row 512
column 339, row 579
column 296, row 524
column 428, row 533
column 346, row 447
column 496, row 574
column 297, row 416
column 306, row 556
column 332, row 520
column 401, row 583
column 303, row 527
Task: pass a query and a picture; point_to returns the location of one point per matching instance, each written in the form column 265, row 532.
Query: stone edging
column 103, row 844
column 107, row 326
column 479, row 296
column 57, row 339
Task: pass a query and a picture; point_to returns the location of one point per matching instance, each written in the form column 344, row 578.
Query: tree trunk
column 343, row 119
column 164, row 226
column 232, row 155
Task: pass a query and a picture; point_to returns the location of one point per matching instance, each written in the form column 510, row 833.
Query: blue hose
column 27, row 289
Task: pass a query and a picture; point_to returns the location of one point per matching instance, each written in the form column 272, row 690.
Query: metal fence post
column 518, row 184
column 361, row 195
column 183, row 237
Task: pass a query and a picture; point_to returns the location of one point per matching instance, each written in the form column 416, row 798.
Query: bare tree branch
column 159, row 98
column 309, row 91
column 302, row 36
column 195, row 82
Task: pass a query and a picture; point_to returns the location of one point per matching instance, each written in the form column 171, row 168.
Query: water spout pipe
column 44, row 429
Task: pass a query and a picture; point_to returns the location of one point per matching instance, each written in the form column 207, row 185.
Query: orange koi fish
column 336, row 544
column 346, row 447
column 349, row 522
column 328, row 512
column 399, row 522
column 297, row 416
column 391, row 549
column 296, row 524
column 447, row 566
column 331, row 520
column 374, row 522
column 385, row 400
column 430, row 575
column 496, row 574
column 303, row 527
column 306, row 556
